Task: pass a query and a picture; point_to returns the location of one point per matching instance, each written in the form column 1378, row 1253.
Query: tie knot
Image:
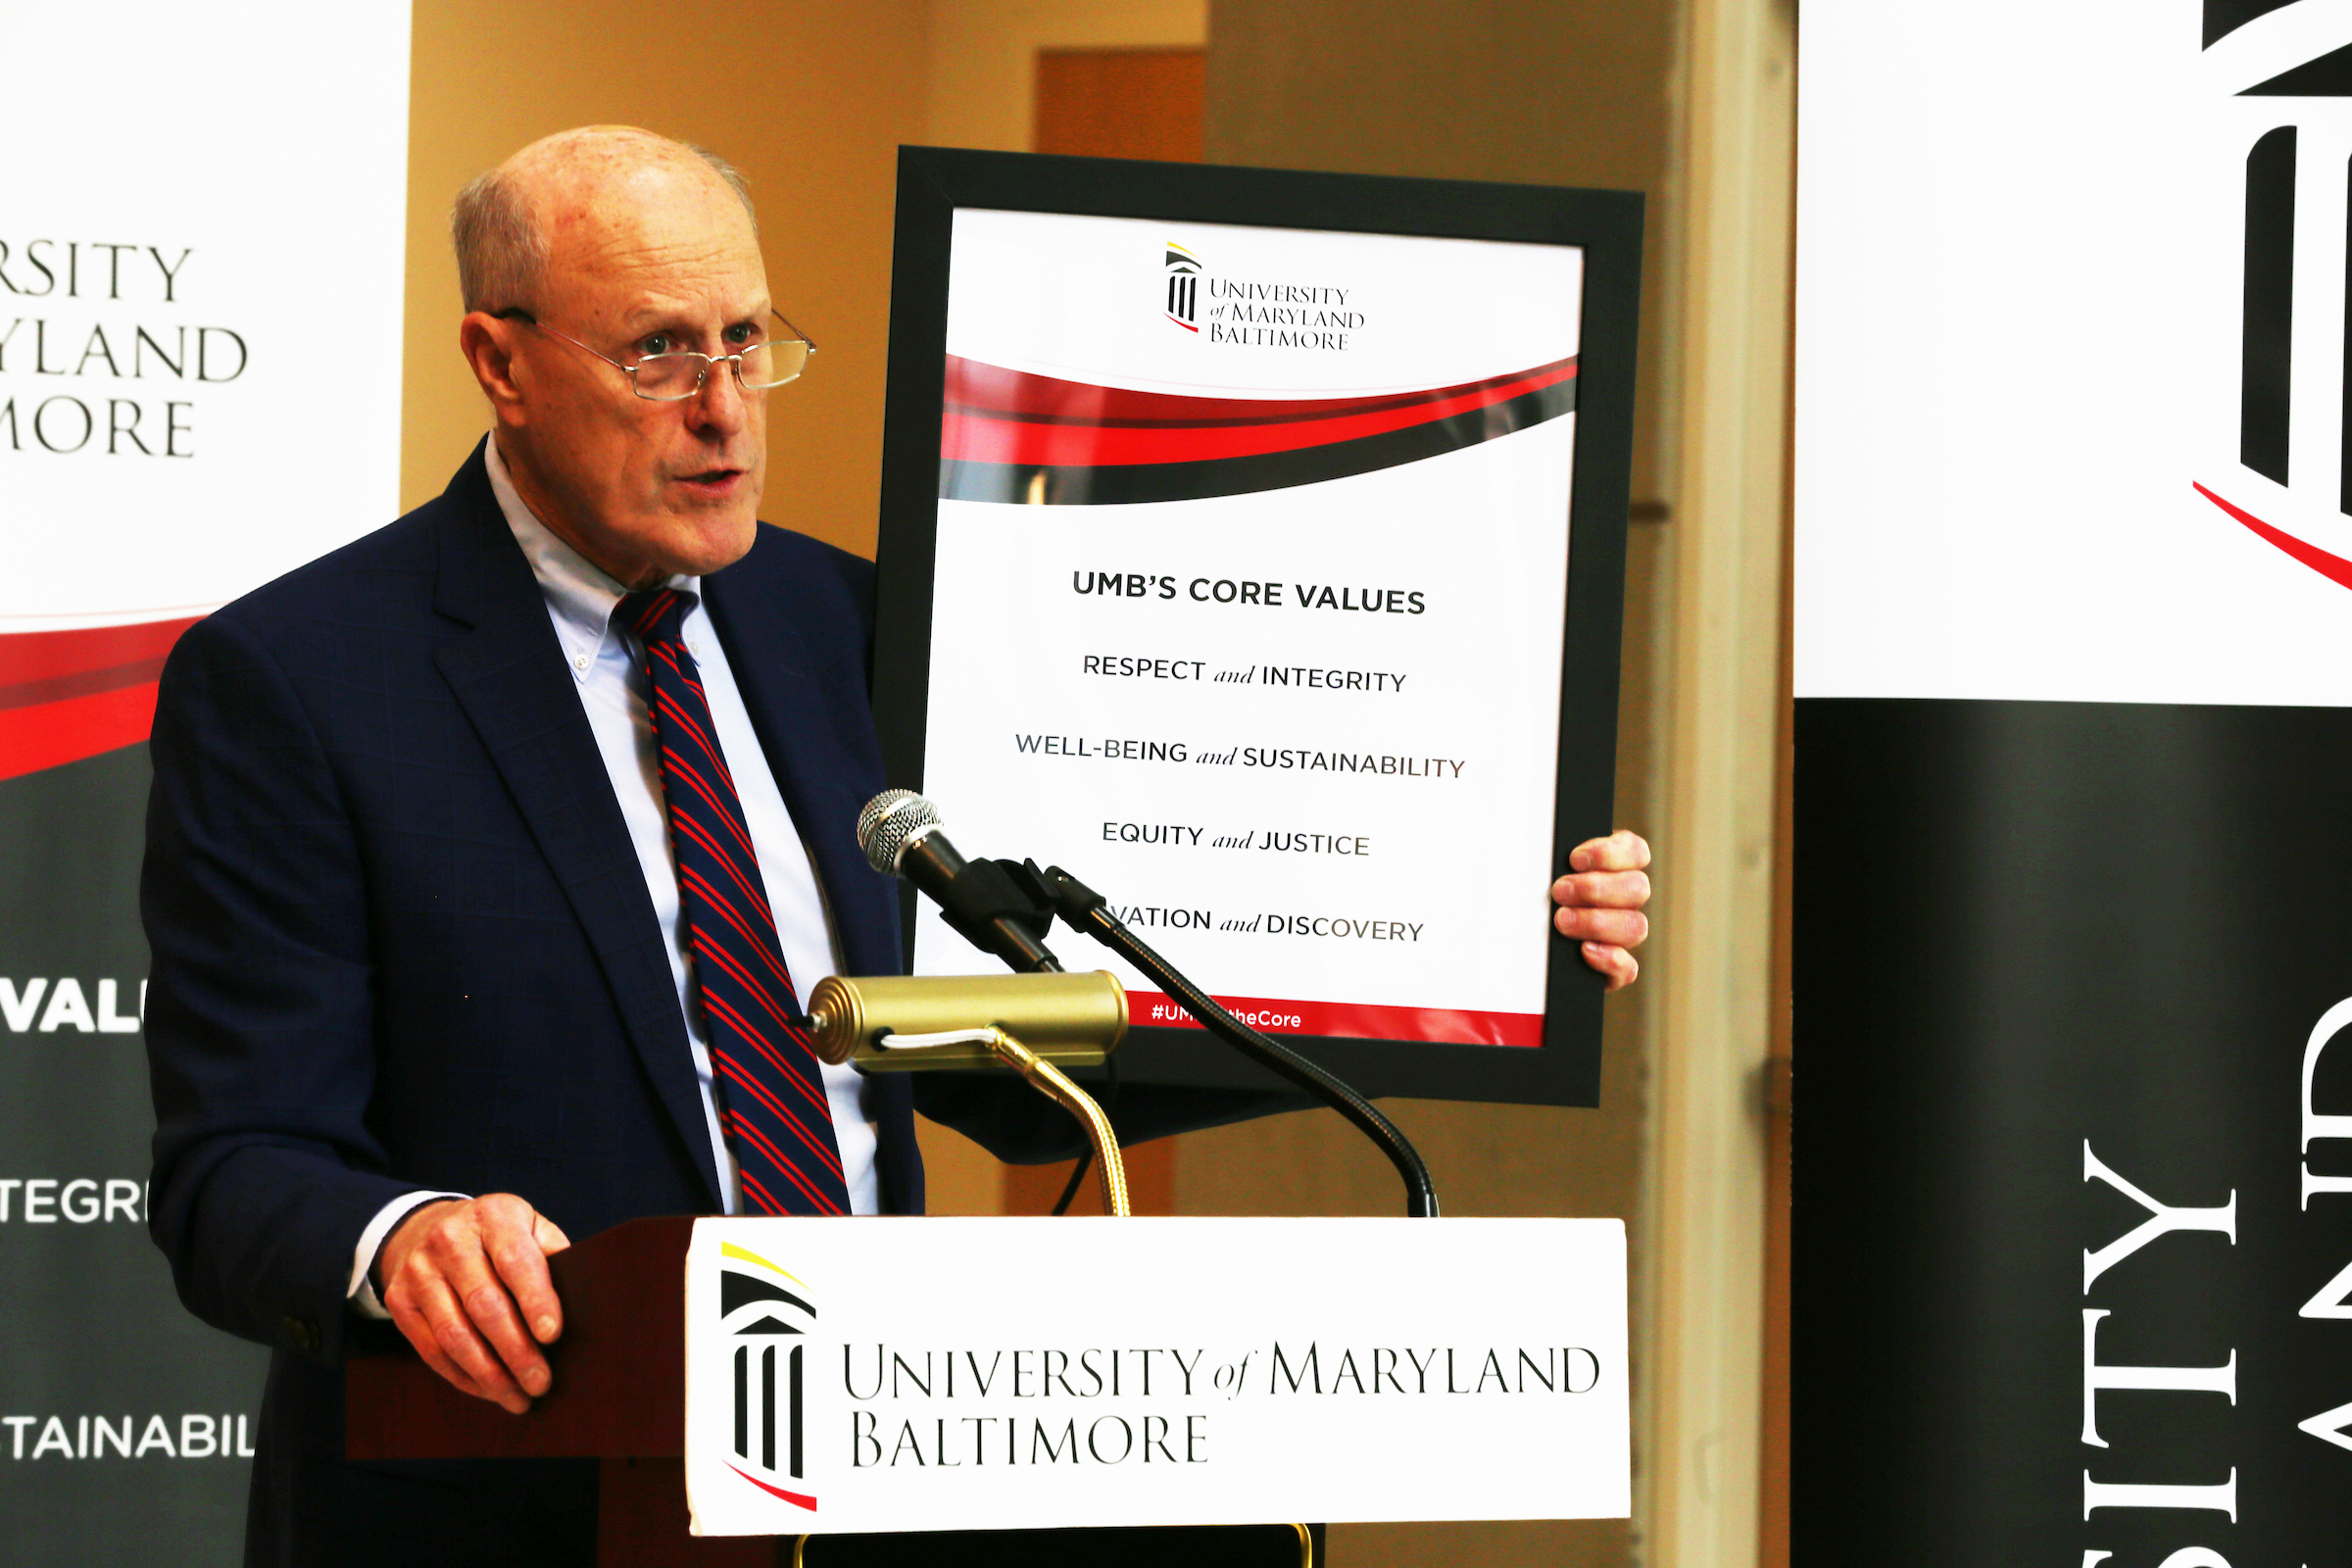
column 656, row 615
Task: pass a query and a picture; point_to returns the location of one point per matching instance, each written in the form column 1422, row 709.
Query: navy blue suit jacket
column 401, row 940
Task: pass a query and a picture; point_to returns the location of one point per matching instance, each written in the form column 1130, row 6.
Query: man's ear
column 488, row 343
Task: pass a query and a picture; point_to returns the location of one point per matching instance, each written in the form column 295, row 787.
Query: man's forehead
column 641, row 219
column 723, row 302
column 649, row 257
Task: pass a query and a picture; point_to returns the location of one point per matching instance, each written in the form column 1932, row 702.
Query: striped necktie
column 771, row 1090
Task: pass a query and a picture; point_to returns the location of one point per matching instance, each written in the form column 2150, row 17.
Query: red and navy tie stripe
column 771, row 1090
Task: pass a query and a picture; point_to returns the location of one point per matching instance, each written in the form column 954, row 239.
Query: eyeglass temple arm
column 796, row 332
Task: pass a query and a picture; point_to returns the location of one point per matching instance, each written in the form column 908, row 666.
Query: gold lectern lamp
column 914, row 1024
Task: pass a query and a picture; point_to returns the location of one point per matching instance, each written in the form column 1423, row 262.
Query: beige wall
column 1569, row 93
column 848, row 80
column 984, row 55
column 1574, row 92
column 853, row 79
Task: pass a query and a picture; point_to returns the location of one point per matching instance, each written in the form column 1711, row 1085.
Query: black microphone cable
column 1004, row 907
column 1087, row 910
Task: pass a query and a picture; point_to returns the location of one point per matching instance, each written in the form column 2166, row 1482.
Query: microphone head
column 892, row 821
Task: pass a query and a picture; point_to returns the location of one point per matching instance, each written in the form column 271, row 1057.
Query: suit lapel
column 507, row 671
column 822, row 782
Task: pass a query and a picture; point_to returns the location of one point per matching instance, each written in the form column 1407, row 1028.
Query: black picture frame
column 934, row 182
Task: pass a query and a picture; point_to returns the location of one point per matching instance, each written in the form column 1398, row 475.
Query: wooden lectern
column 619, row 1397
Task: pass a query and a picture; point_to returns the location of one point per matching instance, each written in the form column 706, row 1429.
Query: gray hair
column 500, row 251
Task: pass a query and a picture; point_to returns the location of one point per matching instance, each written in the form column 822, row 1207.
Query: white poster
column 1252, row 563
column 1033, row 1373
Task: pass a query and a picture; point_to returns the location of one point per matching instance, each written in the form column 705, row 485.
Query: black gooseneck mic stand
column 1057, row 893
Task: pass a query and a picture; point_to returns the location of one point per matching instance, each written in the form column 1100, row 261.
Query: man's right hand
column 468, row 1282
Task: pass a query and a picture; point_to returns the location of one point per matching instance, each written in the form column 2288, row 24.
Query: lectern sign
column 1016, row 1374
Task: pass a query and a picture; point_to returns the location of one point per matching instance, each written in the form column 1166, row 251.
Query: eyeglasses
column 674, row 377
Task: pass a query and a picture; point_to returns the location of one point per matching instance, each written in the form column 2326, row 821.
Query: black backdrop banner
column 127, row 1433
column 2062, row 1289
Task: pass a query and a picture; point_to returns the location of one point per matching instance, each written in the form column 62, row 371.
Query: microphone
column 899, row 832
column 1003, row 908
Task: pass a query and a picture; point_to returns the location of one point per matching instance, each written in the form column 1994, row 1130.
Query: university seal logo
column 766, row 1311
column 1183, row 270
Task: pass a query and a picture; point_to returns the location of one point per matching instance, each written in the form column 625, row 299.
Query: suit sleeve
column 260, row 1009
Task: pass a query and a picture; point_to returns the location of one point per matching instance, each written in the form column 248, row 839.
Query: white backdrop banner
column 2071, row 362
column 200, row 300
column 1033, row 1373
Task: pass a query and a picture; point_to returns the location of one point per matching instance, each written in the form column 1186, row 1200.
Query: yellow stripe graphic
column 730, row 1249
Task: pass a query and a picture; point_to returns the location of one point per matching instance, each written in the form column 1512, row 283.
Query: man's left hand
column 1600, row 903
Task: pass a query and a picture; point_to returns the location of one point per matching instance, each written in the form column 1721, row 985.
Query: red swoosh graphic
column 68, row 694
column 1009, row 417
column 792, row 1498
column 2335, row 568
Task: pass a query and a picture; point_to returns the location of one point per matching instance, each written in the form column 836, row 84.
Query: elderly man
column 489, row 857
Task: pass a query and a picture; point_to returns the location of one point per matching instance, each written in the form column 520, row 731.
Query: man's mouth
column 712, row 481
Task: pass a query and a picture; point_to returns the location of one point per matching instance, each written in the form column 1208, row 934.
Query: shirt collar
column 580, row 594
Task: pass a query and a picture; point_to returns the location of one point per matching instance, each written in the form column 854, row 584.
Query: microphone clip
column 992, row 895
column 1061, row 892
column 1046, row 893
column 993, row 899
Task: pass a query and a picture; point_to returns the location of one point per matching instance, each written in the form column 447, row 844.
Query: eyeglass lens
column 764, row 365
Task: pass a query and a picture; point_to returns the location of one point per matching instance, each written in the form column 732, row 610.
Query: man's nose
column 722, row 407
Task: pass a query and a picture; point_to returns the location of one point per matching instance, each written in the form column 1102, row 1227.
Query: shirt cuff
column 371, row 1240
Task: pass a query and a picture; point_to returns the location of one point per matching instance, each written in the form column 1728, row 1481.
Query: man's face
column 658, row 261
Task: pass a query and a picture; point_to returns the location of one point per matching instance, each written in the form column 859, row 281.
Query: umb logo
column 762, row 1316
column 1274, row 313
column 1183, row 270
column 2282, row 156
